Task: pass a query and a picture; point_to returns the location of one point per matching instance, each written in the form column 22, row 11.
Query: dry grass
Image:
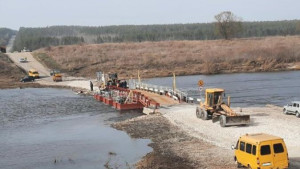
column 183, row 57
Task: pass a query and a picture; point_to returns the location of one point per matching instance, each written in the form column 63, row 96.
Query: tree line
column 5, row 35
column 34, row 38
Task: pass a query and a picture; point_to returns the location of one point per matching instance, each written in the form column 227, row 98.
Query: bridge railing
column 176, row 94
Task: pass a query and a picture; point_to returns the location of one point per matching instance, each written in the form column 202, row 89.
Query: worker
column 91, row 85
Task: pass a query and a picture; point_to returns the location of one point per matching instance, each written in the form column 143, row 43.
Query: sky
column 42, row 13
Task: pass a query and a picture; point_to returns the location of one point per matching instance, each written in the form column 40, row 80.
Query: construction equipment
column 214, row 108
column 33, row 73
column 56, row 75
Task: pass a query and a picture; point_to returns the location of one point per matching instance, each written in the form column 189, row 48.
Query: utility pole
column 174, row 83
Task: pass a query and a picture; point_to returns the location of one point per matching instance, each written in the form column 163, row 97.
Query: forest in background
column 5, row 35
column 35, row 38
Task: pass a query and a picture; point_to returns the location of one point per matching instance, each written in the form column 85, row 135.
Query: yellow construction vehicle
column 56, row 75
column 214, row 108
column 33, row 73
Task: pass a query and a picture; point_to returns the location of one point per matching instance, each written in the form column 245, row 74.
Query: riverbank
column 172, row 147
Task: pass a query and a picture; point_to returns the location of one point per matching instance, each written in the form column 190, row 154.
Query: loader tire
column 204, row 115
column 223, row 121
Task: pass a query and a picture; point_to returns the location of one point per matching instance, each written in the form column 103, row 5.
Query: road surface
column 31, row 63
column 45, row 78
column 269, row 119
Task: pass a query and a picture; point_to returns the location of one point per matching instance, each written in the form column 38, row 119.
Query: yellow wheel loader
column 214, row 108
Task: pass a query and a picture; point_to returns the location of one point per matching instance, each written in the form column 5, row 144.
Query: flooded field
column 55, row 128
column 245, row 89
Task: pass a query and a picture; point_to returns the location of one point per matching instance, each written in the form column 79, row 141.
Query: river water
column 245, row 89
column 55, row 128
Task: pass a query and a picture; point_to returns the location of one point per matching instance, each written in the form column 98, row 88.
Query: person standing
column 91, row 85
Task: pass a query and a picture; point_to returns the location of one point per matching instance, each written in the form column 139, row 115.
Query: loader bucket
column 234, row 120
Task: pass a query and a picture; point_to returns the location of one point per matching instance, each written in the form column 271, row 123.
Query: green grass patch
column 46, row 60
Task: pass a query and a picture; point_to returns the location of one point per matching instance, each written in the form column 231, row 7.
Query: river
column 55, row 128
column 245, row 89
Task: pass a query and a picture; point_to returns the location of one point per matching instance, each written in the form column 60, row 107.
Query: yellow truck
column 261, row 151
column 56, row 75
column 33, row 73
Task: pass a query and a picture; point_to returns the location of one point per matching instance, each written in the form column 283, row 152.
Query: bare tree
column 228, row 25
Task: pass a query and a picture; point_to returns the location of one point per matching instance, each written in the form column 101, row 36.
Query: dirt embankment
column 183, row 57
column 10, row 74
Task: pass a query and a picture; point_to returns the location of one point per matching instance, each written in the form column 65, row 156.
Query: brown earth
column 183, row 57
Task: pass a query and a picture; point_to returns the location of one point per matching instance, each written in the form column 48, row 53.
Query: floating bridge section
column 138, row 96
column 125, row 99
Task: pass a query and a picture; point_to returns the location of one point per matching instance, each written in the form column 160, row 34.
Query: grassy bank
column 183, row 57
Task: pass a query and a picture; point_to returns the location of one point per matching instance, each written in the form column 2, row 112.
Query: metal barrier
column 163, row 90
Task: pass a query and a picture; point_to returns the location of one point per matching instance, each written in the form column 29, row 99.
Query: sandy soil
column 269, row 119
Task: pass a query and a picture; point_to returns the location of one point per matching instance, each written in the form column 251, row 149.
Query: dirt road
column 32, row 63
column 269, row 119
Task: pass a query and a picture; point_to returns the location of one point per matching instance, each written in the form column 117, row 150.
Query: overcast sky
column 41, row 13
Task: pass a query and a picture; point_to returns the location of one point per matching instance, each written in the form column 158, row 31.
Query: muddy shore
column 172, row 147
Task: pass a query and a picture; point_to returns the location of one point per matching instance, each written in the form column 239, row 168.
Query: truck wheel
column 298, row 114
column 238, row 165
column 223, row 121
column 198, row 112
column 285, row 111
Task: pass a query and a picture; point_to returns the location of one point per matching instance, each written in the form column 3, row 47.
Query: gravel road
column 268, row 119
column 46, row 79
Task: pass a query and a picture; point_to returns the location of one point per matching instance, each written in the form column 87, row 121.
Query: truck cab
column 293, row 108
column 33, row 73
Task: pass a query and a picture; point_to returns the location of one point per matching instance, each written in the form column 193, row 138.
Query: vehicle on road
column 261, row 151
column 56, row 75
column 27, row 79
column 25, row 50
column 23, row 60
column 293, row 108
column 214, row 108
column 33, row 73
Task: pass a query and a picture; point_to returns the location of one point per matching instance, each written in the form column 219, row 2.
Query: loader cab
column 214, row 96
column 261, row 151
